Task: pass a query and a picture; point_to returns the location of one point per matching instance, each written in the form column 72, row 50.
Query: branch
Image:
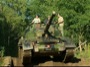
column 82, row 44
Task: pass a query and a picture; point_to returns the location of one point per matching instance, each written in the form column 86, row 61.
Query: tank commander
column 61, row 24
column 36, row 21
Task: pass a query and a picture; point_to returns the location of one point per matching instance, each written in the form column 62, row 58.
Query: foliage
column 74, row 13
column 12, row 22
column 85, row 53
column 1, row 62
column 2, row 50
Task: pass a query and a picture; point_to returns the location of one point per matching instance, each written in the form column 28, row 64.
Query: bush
column 85, row 53
column 1, row 61
column 2, row 50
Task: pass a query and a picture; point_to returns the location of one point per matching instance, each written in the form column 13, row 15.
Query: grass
column 84, row 54
column 1, row 61
column 2, row 50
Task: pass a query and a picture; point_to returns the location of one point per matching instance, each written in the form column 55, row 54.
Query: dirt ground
column 47, row 61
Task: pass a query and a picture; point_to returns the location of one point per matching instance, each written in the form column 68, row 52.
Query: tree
column 74, row 13
column 12, row 23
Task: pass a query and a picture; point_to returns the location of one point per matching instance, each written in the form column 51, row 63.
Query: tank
column 44, row 41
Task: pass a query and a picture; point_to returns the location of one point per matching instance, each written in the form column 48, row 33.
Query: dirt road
column 47, row 61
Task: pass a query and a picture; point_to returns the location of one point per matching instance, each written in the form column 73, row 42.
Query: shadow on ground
column 38, row 60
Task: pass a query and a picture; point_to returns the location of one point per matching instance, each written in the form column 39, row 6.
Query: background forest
column 16, row 15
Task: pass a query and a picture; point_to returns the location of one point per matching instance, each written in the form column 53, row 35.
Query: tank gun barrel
column 48, row 23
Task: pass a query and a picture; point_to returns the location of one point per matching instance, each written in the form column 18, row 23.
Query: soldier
column 61, row 24
column 37, row 21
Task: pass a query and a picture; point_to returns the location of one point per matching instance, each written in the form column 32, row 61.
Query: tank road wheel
column 27, row 57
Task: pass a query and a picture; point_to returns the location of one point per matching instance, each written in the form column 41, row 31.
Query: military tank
column 42, row 42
